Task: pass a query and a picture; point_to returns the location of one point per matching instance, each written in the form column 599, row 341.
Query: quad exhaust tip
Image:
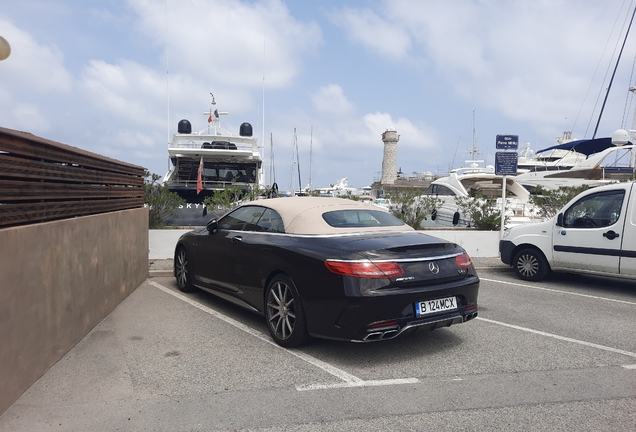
column 379, row 335
column 392, row 332
column 469, row 317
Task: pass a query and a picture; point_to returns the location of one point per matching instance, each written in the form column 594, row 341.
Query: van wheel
column 530, row 265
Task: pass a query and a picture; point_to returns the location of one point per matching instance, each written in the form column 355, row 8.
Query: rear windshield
column 360, row 218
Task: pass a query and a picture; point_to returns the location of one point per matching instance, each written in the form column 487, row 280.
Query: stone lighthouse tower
column 390, row 138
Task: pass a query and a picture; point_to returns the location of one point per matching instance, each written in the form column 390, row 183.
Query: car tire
column 182, row 270
column 284, row 313
column 530, row 265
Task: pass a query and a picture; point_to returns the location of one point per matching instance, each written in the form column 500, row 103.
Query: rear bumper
column 446, row 320
column 367, row 319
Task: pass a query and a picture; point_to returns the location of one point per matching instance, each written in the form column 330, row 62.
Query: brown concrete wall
column 58, row 280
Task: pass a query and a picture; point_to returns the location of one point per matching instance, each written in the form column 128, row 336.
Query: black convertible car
column 329, row 268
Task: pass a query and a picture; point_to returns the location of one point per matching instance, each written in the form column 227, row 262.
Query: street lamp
column 5, row 48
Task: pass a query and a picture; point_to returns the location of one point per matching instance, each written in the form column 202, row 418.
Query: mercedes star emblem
column 433, row 267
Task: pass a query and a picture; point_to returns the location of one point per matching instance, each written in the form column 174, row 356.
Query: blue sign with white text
column 507, row 142
column 506, row 163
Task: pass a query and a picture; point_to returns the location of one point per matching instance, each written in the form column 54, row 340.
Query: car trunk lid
column 425, row 259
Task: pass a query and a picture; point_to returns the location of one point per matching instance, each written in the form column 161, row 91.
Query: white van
column 594, row 233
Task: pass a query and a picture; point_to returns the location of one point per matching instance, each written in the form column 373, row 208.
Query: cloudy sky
column 115, row 76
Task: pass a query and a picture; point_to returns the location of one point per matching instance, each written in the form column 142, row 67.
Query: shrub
column 412, row 207
column 483, row 213
column 549, row 202
column 160, row 201
column 226, row 199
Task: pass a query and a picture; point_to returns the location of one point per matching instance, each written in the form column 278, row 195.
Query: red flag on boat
column 210, row 119
column 200, row 177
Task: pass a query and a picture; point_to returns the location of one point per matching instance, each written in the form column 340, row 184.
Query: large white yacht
column 561, row 156
column 615, row 163
column 211, row 160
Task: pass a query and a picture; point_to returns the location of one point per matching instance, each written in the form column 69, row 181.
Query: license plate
column 433, row 306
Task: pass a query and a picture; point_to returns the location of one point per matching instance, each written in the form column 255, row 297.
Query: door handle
column 239, row 239
column 611, row 235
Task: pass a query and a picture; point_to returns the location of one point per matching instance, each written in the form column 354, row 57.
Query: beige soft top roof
column 303, row 215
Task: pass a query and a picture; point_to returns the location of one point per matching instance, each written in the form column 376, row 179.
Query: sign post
column 505, row 164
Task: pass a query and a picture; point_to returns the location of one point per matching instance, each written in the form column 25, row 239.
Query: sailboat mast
column 598, row 122
column 272, row 171
column 311, row 138
column 474, row 151
column 474, row 137
column 300, row 185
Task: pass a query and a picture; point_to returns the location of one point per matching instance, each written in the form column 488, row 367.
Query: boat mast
column 272, row 171
column 474, row 151
column 311, row 137
column 300, row 185
column 598, row 122
column 168, row 81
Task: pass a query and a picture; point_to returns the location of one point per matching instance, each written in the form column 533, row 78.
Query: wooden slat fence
column 43, row 180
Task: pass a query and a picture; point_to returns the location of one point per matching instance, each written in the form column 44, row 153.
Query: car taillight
column 463, row 261
column 365, row 269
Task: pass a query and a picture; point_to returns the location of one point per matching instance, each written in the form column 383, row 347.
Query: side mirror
column 560, row 220
column 212, row 226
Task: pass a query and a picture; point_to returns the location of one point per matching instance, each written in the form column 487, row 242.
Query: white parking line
column 349, row 380
column 563, row 338
column 373, row 383
column 559, row 291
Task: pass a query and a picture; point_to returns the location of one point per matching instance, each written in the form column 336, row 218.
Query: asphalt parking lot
column 557, row 355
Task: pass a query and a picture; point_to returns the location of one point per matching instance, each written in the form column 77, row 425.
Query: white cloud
column 32, row 66
column 379, row 35
column 228, row 42
column 331, row 100
column 134, row 139
column 26, row 117
column 524, row 59
column 128, row 90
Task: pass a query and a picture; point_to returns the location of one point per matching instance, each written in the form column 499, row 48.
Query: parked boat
column 561, row 156
column 341, row 188
column 608, row 160
column 208, row 161
column 475, row 183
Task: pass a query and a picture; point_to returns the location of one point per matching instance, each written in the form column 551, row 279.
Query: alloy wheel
column 182, row 271
column 281, row 311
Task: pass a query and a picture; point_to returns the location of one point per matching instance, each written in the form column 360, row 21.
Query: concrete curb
column 159, row 273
